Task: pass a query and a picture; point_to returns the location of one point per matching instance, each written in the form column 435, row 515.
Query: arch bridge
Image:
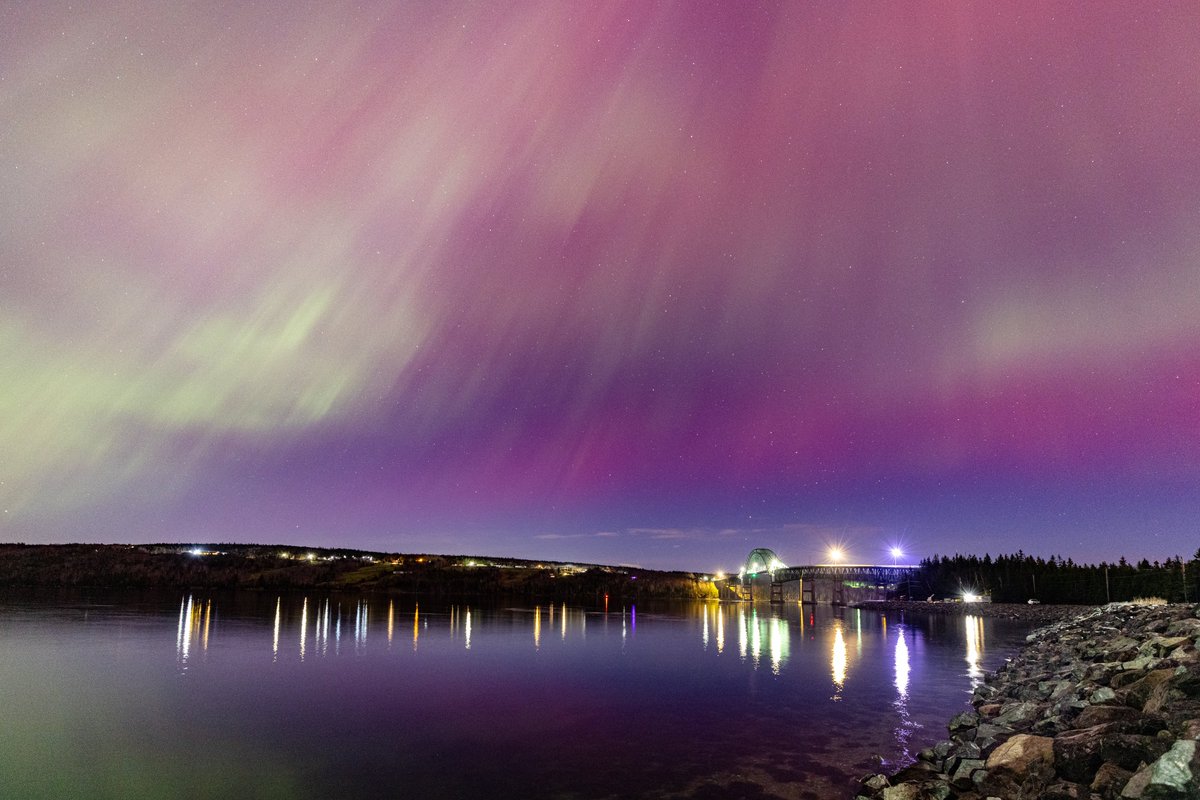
column 764, row 560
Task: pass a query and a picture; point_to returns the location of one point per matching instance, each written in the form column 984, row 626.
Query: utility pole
column 1183, row 577
column 1107, row 594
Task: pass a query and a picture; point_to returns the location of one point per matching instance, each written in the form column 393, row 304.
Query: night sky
column 644, row 282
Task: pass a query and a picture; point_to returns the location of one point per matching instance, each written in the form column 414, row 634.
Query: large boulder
column 1130, row 750
column 1149, row 693
column 1021, row 767
column 1077, row 753
column 1175, row 775
column 1018, row 715
column 1098, row 715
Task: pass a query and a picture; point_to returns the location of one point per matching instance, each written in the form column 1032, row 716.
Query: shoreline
column 1102, row 704
column 1038, row 614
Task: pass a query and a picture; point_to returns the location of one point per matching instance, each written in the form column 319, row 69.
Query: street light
column 897, row 553
column 836, row 553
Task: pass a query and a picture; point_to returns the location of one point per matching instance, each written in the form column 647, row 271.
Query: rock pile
column 1102, row 706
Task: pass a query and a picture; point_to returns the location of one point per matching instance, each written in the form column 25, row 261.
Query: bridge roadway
column 763, row 560
column 874, row 573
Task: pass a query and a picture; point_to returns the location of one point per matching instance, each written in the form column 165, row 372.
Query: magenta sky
column 648, row 282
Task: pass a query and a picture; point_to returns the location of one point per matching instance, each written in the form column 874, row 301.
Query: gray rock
column 1173, row 775
column 905, row 791
column 875, row 783
column 963, row 721
column 1101, row 696
column 1018, row 715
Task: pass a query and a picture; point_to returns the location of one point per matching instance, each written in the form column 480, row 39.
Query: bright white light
column 970, row 597
column 196, row 551
column 311, row 556
column 720, row 576
column 897, row 552
column 836, row 553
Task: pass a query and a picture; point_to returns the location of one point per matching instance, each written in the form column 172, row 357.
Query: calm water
column 211, row 695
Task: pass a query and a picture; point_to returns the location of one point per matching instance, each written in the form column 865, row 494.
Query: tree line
column 1018, row 577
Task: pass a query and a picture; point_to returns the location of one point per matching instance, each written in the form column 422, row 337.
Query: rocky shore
column 1100, row 706
column 1038, row 614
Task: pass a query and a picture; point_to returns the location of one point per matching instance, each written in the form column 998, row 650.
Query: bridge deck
column 887, row 573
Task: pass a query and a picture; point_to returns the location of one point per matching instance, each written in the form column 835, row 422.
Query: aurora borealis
column 643, row 282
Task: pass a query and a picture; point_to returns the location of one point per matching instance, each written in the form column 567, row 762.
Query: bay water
column 248, row 695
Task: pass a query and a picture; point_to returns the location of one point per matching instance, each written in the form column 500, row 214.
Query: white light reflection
column 837, row 661
column 207, row 622
column 778, row 638
column 537, row 628
column 743, row 634
column 303, row 627
column 188, row 614
column 360, row 626
column 467, row 630
column 325, row 630
column 904, row 726
column 704, row 628
column 317, row 628
column 974, row 630
column 391, row 620
column 720, row 630
column 278, row 618
column 416, row 625
column 755, row 638
column 858, row 632
column 563, row 623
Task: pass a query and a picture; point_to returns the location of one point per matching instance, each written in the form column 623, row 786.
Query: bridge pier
column 838, row 593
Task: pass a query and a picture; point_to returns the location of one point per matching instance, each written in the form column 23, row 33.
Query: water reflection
column 904, row 724
column 275, row 644
column 764, row 635
column 755, row 635
column 256, row 704
column 974, row 637
column 778, row 643
column 902, row 667
column 193, row 628
column 837, row 660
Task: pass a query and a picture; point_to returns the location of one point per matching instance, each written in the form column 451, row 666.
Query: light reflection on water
column 768, row 632
column 974, row 637
column 864, row 684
